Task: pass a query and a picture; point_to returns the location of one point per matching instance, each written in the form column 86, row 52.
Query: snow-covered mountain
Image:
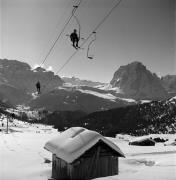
column 134, row 80
column 21, row 76
column 81, row 82
column 17, row 86
column 17, row 81
column 87, row 99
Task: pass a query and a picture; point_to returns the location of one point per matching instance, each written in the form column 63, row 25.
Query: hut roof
column 73, row 142
column 142, row 139
column 170, row 143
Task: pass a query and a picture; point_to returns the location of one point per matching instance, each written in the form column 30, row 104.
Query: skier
column 13, row 116
column 38, row 87
column 74, row 38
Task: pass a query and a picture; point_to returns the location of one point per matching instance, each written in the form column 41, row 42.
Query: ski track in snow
column 22, row 156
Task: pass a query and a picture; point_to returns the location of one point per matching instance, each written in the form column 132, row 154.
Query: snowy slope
column 81, row 82
column 145, row 163
column 22, row 156
column 107, row 96
column 73, row 98
column 101, row 95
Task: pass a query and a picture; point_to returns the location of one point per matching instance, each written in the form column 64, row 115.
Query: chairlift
column 88, row 49
column 75, row 30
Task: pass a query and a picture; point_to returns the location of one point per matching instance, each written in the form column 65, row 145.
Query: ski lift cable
column 63, row 29
column 107, row 15
column 84, row 42
column 95, row 30
column 58, row 22
column 79, row 25
column 61, row 32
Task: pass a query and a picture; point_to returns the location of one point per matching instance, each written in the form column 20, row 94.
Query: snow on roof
column 73, row 142
column 171, row 142
column 140, row 139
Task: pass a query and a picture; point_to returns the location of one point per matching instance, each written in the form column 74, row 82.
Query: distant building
column 79, row 153
column 170, row 143
column 143, row 142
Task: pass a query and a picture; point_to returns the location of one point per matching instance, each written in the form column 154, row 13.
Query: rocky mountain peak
column 19, row 77
column 136, row 81
column 169, row 82
column 9, row 65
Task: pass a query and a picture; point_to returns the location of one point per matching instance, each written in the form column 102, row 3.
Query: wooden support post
column 7, row 124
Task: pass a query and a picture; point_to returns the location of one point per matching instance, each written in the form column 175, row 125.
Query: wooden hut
column 143, row 142
column 79, row 153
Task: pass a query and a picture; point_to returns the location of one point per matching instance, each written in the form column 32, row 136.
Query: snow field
column 22, row 155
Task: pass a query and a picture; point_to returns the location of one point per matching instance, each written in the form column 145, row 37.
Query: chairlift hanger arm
column 77, row 21
column 89, row 45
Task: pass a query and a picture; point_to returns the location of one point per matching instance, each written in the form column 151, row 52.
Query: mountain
column 21, row 76
column 60, row 119
column 5, row 105
column 83, row 98
column 18, row 79
column 135, row 81
column 12, row 95
column 78, row 82
column 157, row 117
column 169, row 83
column 17, row 86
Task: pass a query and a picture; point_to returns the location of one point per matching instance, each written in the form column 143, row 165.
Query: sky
column 137, row 30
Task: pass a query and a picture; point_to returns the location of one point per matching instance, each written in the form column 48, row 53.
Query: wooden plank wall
column 99, row 161
column 104, row 166
column 86, row 169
